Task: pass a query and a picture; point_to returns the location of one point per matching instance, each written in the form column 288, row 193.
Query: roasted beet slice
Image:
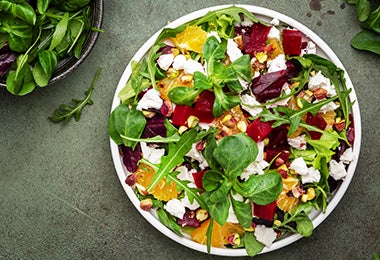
column 130, row 157
column 278, row 138
column 265, row 211
column 258, row 39
column 268, row 85
column 198, row 177
column 258, row 130
column 244, row 32
column 155, row 126
column 292, row 41
column 318, row 121
column 180, row 115
column 203, row 107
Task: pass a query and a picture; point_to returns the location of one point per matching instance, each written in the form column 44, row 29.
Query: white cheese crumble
column 192, row 66
column 175, row 208
column 258, row 166
column 248, row 103
column 337, row 170
column 185, row 175
column 233, row 50
column 186, row 203
column 231, row 215
column 312, row 175
column 151, row 153
column 196, row 155
column 179, row 62
column 298, row 142
column 165, row 60
column 275, row 22
column 282, row 102
column 320, row 81
column 151, row 99
column 215, row 34
column 311, row 48
column 265, row 235
column 277, row 64
column 331, row 106
column 348, row 156
column 299, row 166
column 274, row 33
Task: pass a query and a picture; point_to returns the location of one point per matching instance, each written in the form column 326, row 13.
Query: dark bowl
column 69, row 64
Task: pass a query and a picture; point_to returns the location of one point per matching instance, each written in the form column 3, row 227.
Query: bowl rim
column 318, row 217
column 96, row 22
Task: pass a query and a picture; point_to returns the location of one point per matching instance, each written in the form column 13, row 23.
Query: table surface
column 60, row 197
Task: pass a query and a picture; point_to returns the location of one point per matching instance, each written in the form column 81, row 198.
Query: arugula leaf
column 174, row 157
column 65, row 112
column 156, row 139
column 168, row 221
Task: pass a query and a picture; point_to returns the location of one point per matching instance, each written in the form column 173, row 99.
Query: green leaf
column 242, row 67
column 209, row 150
column 19, row 9
column 252, row 246
column 20, row 33
column 367, row 40
column 153, row 55
column 183, row 95
column 174, row 157
column 60, row 31
column 44, row 68
column 156, row 139
column 201, row 81
column 220, row 193
column 304, row 225
column 243, row 212
column 168, row 221
column 212, row 50
column 126, row 122
column 223, row 102
column 65, row 112
column 42, row 6
column 261, row 189
column 212, row 179
column 218, row 210
column 234, row 153
column 373, row 21
column 363, row 8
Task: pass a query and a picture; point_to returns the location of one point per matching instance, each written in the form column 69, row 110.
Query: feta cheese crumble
column 348, row 156
column 196, row 155
column 151, row 99
column 299, row 166
column 274, row 33
column 179, row 62
column 277, row 64
column 175, row 208
column 248, row 103
column 192, row 66
column 331, row 106
column 265, row 235
column 257, row 166
column 233, row 50
column 298, row 142
column 320, row 81
column 165, row 60
column 313, row 175
column 337, row 170
column 151, row 153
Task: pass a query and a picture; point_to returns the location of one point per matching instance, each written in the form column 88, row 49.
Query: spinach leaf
column 19, row 9
column 20, row 33
column 175, row 156
column 183, row 95
column 126, row 121
column 44, row 67
column 218, row 210
column 252, row 246
column 20, row 82
column 373, row 21
column 261, row 189
column 212, row 179
column 234, row 153
column 363, row 8
column 42, row 6
column 60, row 31
column 367, row 40
column 243, row 211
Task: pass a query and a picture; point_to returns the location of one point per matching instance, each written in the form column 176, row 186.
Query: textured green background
column 59, row 193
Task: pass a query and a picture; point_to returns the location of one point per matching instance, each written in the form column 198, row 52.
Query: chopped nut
column 261, row 57
column 226, row 118
column 149, row 114
column 283, row 170
column 146, row 204
column 182, row 129
column 239, row 41
column 242, row 126
column 142, row 190
column 310, row 193
column 320, row 93
column 277, row 222
column 339, row 124
column 186, row 79
column 250, row 229
column 297, row 192
column 192, row 121
column 131, row 179
column 172, row 73
column 234, row 239
column 201, row 215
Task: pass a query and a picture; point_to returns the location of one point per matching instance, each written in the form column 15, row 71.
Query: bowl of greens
column 235, row 130
column 43, row 41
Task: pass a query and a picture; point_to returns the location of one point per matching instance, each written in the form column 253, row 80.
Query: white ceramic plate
column 317, row 217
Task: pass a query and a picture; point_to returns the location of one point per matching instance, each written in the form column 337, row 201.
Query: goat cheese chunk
column 277, row 64
column 165, row 60
column 348, row 156
column 175, row 208
column 312, row 175
column 179, row 61
column 233, row 50
column 299, row 166
column 196, row 155
column 248, row 103
column 298, row 142
column 337, row 170
column 151, row 153
column 192, row 66
column 151, row 99
column 274, row 33
column 320, row 81
column 265, row 235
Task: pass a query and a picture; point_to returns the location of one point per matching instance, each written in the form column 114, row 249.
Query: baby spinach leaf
column 20, row 33
column 367, row 40
column 241, row 69
column 221, row 192
column 183, row 95
column 363, row 8
column 42, row 6
column 243, row 212
column 19, row 9
column 20, row 82
column 212, row 179
column 261, row 189
column 252, row 246
column 60, row 31
column 234, row 153
column 44, row 67
column 304, row 225
column 175, row 156
column 219, row 210
column 126, row 122
column 223, row 102
column 373, row 21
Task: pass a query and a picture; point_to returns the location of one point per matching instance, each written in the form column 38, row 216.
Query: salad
column 233, row 130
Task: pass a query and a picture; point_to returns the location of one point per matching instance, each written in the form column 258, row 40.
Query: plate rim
column 334, row 199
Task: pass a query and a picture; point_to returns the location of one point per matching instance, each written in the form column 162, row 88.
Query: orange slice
column 220, row 234
column 284, row 202
column 190, row 39
column 162, row 190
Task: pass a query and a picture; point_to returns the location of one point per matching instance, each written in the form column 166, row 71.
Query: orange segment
column 162, row 190
column 220, row 234
column 284, row 202
column 329, row 117
column 190, row 39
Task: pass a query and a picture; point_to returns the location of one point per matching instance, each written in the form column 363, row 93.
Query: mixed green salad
column 233, row 129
